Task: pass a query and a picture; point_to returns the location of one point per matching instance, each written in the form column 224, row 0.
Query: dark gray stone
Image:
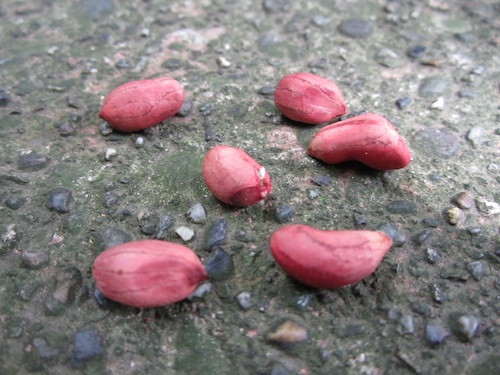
column 355, row 28
column 284, row 214
column 403, row 102
column 437, row 142
column 402, row 207
column 33, row 162
column 86, row 345
column 220, row 265
column 68, row 285
column 15, row 203
column 397, row 236
column 165, row 222
column 109, row 237
column 277, row 6
column 476, row 269
column 58, row 200
column 216, row 234
column 416, row 51
column 34, row 259
column 435, row 334
column 432, row 87
column 322, row 180
column 186, row 107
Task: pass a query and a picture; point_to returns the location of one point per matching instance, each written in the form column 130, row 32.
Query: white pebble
column 185, row 233
column 110, row 154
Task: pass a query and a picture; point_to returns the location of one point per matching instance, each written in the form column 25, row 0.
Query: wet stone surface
column 431, row 67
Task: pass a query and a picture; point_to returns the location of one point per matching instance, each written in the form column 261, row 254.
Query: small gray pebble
column 266, row 90
column 319, row 20
column 322, row 180
column 398, row 237
column 220, row 265
column 466, row 93
column 105, row 129
column 164, row 222
column 34, row 260
column 186, row 108
column 437, row 293
column 33, row 162
column 422, row 237
column 476, row 269
column 432, row 256
column 360, row 221
column 15, row 203
column 277, row 6
column 468, row 327
column 284, row 214
column 216, row 234
column 197, row 214
column 407, row 325
column 430, row 222
column 433, row 87
column 403, row 102
column 148, row 228
column 437, row 142
column 58, row 200
column 205, row 109
column 402, row 207
column 474, row 231
column 355, row 28
column 86, row 345
column 244, row 300
column 435, row 334
column 109, row 237
column 416, row 51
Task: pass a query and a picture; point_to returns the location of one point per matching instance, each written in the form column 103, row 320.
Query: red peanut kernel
column 138, row 105
column 328, row 259
column 233, row 177
column 368, row 138
column 309, row 98
column 147, row 273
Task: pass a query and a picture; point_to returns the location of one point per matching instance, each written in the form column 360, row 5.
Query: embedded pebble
column 172, row 63
column 453, row 215
column 185, row 233
column 463, row 200
column 322, row 180
column 437, row 104
column 197, row 214
column 288, row 333
column 200, row 291
column 42, row 350
column 139, row 142
column 4, row 98
column 474, row 231
column 110, row 154
column 223, row 62
column 15, row 203
column 488, row 208
column 407, row 325
column 32, row 162
column 205, row 109
column 220, row 265
column 68, row 285
column 397, row 236
column 466, row 93
column 433, row 87
column 277, row 6
column 422, row 236
column 468, row 327
column 216, row 234
column 110, row 199
column 109, row 237
column 430, row 222
column 437, row 293
column 186, row 107
column 475, row 136
column 244, row 300
column 267, row 90
column 165, row 222
column 454, row 273
column 432, row 255
column 354, row 329
column 416, row 51
column 313, row 194
column 388, row 58
column 284, row 214
column 403, row 102
column 355, row 28
column 105, row 129
column 401, row 207
column 493, row 168
column 303, row 301
column 66, row 129
column 476, row 269
column 86, row 345
column 148, row 228
column 10, row 237
column 435, row 334
column 319, row 20
column 437, row 142
column 58, row 200
column 34, row 259
column 360, row 221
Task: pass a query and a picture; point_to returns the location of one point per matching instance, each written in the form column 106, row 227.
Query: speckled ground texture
column 71, row 187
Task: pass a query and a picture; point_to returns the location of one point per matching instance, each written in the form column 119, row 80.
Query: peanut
column 328, row 259
column 368, row 138
column 233, row 177
column 308, row 98
column 138, row 105
column 147, row 273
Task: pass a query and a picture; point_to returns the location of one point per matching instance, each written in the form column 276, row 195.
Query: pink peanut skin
column 138, row 105
column 368, row 138
column 308, row 98
column 233, row 177
column 328, row 259
column 147, row 273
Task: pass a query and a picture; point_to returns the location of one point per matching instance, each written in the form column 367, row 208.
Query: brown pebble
column 288, row 333
column 463, row 200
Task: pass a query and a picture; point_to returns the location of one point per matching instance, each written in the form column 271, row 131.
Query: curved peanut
column 368, row 138
column 328, row 259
